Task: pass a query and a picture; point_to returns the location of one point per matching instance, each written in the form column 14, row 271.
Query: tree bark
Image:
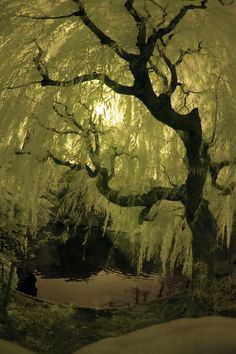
column 202, row 224
column 204, row 232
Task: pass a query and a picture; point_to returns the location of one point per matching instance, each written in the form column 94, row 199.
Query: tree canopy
column 131, row 106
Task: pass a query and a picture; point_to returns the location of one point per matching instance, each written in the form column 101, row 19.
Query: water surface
column 108, row 288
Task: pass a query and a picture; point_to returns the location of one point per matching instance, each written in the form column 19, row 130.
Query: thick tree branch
column 116, row 87
column 160, row 106
column 161, row 109
column 141, row 25
column 47, row 81
column 146, row 199
column 104, row 39
column 82, row 14
column 176, row 193
column 46, row 17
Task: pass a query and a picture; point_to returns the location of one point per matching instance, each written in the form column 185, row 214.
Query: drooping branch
column 175, row 193
column 161, row 32
column 104, row 176
column 47, row 81
column 93, row 144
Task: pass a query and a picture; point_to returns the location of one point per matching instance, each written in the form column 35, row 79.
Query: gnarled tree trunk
column 204, row 232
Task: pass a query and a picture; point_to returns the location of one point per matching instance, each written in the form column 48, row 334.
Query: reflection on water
column 108, row 288
column 98, row 275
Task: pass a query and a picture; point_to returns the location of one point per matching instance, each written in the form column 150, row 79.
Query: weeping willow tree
column 136, row 99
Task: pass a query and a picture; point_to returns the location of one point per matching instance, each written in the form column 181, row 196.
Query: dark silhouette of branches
column 161, row 32
column 141, row 25
column 104, row 39
column 46, row 17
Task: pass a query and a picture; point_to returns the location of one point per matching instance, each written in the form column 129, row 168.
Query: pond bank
column 61, row 329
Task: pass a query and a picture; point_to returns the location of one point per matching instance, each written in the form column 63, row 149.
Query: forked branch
column 159, row 33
